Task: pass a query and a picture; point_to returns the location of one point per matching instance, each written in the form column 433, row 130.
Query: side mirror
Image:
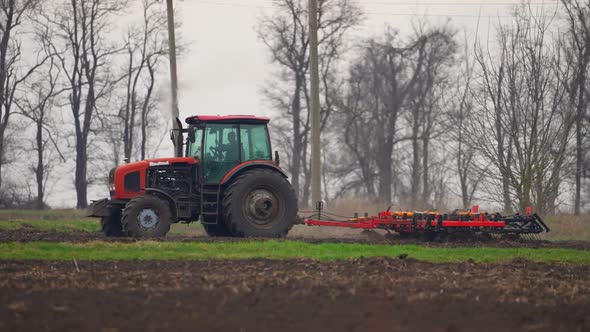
column 277, row 159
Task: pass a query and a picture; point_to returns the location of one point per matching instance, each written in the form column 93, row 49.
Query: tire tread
column 235, row 227
column 129, row 209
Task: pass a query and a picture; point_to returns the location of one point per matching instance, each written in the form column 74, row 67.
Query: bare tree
column 464, row 154
column 357, row 169
column 426, row 109
column 577, row 51
column 286, row 36
column 13, row 69
column 383, row 78
column 522, row 126
column 145, row 44
column 37, row 104
column 148, row 105
column 497, row 146
column 77, row 38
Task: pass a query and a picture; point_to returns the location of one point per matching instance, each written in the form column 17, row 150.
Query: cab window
column 221, row 151
column 195, row 142
column 255, row 144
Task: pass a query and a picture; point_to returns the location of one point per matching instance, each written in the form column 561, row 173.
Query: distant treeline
column 427, row 119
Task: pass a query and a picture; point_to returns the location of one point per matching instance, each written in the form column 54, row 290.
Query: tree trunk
column 4, row 48
column 367, row 173
column 126, row 113
column 3, row 127
column 39, row 172
column 384, row 162
column 1, row 157
column 503, row 163
column 80, row 179
column 461, row 170
column 415, row 176
column 82, row 151
column 581, row 109
column 506, row 192
column 143, row 134
column 425, row 174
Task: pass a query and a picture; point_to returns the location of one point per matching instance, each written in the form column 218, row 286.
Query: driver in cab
column 231, row 148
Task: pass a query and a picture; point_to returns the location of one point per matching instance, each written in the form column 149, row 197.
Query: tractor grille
column 173, row 180
column 180, row 183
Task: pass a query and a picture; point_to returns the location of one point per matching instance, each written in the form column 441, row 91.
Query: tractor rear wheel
column 147, row 216
column 218, row 230
column 259, row 203
column 111, row 226
column 215, row 230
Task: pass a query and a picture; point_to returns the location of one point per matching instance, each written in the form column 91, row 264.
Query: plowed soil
column 296, row 295
column 30, row 234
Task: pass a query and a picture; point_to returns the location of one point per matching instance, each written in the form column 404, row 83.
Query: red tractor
column 227, row 179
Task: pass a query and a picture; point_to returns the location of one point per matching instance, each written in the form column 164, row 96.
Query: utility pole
column 173, row 78
column 316, row 167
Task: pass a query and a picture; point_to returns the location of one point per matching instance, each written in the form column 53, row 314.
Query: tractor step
column 210, row 196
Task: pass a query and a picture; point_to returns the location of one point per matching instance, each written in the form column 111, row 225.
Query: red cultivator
column 431, row 223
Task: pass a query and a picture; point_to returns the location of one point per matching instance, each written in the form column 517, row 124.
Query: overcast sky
column 226, row 65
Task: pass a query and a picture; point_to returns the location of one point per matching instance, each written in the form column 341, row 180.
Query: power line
column 229, row 4
column 419, row 3
column 414, row 3
column 473, row 16
column 452, row 15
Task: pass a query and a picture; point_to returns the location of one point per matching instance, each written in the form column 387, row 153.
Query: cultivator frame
column 408, row 223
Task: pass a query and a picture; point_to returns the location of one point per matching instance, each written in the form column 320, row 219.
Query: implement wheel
column 260, row 203
column 147, row 216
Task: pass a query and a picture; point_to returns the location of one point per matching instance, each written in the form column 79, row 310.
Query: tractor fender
column 164, row 195
column 248, row 165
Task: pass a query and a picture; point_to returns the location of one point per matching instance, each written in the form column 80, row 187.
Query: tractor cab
column 221, row 143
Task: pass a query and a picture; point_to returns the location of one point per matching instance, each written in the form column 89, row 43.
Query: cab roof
column 226, row 118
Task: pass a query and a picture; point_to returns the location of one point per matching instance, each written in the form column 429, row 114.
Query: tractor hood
column 156, row 162
column 128, row 180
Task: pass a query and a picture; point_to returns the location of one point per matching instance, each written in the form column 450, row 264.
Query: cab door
column 221, row 151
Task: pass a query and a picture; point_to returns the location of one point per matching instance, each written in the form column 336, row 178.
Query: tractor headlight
column 111, row 181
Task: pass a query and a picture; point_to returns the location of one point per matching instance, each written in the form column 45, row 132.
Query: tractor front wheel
column 259, row 203
column 147, row 216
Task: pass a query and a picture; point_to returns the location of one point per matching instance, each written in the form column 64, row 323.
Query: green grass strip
column 152, row 250
column 58, row 225
column 90, row 225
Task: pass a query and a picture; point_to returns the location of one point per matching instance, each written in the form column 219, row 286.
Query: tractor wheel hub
column 147, row 218
column 261, row 206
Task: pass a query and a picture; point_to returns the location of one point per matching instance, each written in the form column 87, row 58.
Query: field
column 57, row 272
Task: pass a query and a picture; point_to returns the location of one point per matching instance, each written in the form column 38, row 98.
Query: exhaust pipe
column 177, row 137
